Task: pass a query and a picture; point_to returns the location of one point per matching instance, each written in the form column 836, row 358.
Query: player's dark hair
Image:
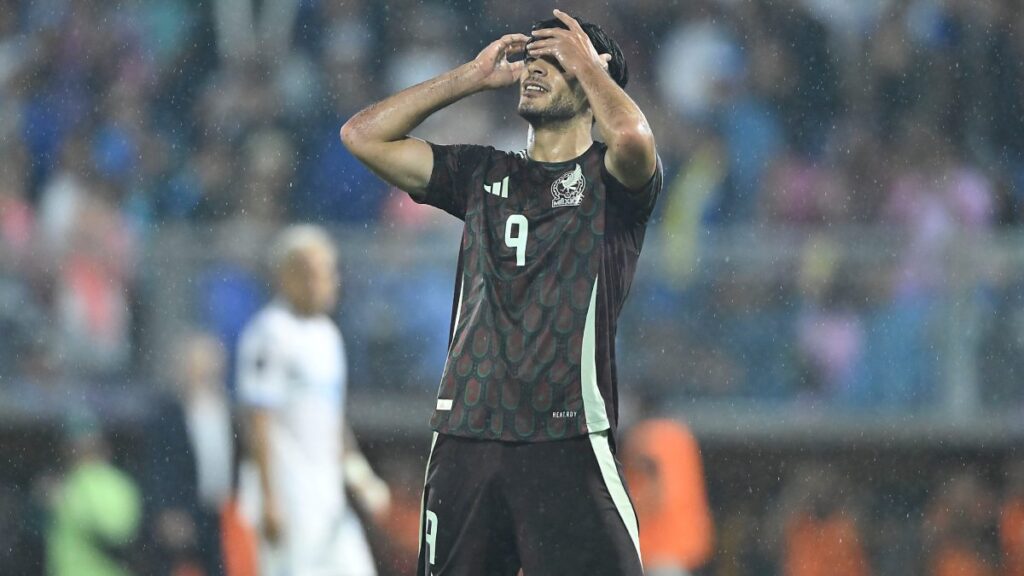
column 604, row 44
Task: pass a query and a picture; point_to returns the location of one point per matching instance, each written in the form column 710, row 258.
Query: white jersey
column 295, row 368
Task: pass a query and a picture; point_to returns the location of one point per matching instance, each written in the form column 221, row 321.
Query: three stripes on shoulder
column 498, row 188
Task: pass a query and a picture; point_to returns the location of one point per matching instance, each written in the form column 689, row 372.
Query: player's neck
column 296, row 309
column 558, row 142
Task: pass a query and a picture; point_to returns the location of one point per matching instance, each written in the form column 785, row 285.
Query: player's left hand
column 572, row 48
column 369, row 490
column 493, row 63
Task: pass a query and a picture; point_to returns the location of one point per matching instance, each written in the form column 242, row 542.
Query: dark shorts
column 550, row 508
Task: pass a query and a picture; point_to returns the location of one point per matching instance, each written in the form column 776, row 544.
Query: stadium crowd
column 800, row 115
column 793, row 120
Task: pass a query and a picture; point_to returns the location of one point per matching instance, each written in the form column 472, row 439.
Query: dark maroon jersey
column 548, row 254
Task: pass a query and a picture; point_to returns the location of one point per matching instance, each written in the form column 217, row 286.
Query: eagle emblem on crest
column 567, row 190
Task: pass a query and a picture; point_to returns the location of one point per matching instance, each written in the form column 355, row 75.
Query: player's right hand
column 271, row 523
column 493, row 64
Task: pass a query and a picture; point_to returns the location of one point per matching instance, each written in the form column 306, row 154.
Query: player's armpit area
column 406, row 163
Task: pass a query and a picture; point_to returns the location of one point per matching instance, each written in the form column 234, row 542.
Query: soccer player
column 291, row 383
column 522, row 472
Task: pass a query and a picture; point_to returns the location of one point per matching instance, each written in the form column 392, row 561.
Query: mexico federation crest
column 568, row 189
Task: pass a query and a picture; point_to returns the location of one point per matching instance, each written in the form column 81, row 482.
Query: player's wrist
column 590, row 70
column 270, row 507
column 360, row 477
column 475, row 74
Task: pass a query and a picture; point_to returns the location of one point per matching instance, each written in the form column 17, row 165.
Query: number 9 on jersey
column 516, row 230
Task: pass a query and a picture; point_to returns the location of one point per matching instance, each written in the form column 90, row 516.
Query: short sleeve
column 262, row 380
column 634, row 206
column 453, row 176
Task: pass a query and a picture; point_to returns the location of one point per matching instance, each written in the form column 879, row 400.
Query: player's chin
column 528, row 109
column 326, row 303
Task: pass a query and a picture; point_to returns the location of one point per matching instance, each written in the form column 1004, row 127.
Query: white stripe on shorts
column 612, row 480
column 423, row 498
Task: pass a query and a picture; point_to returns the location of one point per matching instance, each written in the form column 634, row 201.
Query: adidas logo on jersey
column 568, row 189
column 498, row 188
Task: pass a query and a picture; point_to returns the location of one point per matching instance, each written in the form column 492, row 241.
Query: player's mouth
column 532, row 88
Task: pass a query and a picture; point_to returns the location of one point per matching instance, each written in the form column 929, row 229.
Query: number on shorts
column 431, row 535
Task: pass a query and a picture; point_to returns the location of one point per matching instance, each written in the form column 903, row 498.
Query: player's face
column 547, row 93
column 311, row 281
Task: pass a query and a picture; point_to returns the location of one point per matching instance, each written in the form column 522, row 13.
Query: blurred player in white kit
column 302, row 455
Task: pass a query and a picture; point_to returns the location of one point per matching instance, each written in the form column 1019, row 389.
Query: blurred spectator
column 233, row 102
column 96, row 510
column 895, row 75
column 741, row 546
column 334, row 185
column 830, row 336
column 1005, row 87
column 751, row 129
column 961, row 529
column 93, row 286
column 806, row 87
column 934, row 198
column 798, row 192
column 427, row 51
column 820, row 522
column 702, row 44
column 864, row 161
column 663, row 468
column 247, row 29
column 1011, row 521
column 191, row 456
column 89, row 252
column 17, row 215
column 266, row 176
column 698, row 186
column 20, row 319
column 64, row 193
column 935, row 203
column 201, row 190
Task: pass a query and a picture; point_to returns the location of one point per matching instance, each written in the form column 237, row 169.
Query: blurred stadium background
column 831, row 297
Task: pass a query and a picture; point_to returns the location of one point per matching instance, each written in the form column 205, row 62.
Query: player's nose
column 535, row 67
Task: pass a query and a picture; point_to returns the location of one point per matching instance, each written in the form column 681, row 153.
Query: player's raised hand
column 493, row 63
column 571, row 48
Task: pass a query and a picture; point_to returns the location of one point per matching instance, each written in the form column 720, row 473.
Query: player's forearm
column 621, row 122
column 259, row 441
column 395, row 117
column 617, row 116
